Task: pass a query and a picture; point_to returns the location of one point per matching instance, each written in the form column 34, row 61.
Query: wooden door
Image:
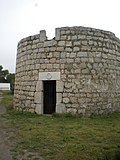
column 49, row 97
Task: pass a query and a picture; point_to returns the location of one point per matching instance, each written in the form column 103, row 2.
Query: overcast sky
column 21, row 18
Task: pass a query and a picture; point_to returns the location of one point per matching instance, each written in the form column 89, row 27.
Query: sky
column 22, row 18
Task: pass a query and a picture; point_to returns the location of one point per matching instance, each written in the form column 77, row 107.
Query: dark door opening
column 49, row 97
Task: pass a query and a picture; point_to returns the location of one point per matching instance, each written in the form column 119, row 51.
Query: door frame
column 38, row 98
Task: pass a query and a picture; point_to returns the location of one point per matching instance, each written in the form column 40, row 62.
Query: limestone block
column 68, row 105
column 81, row 111
column 95, row 43
column 60, row 108
column 75, row 105
column 77, row 60
column 68, row 85
column 83, row 65
column 82, row 101
column 49, row 76
column 62, row 32
column 84, row 43
column 39, row 45
column 28, row 47
column 67, row 32
column 59, row 97
column 34, row 46
column 52, row 49
column 46, row 61
column 35, row 41
column 63, row 37
column 39, row 109
column 50, row 43
column 91, row 60
column 100, row 44
column 91, row 42
column 49, row 55
column 39, row 86
column 24, row 48
column 65, row 95
column 84, row 60
column 73, row 99
column 87, row 48
column 61, row 43
column 59, row 86
column 89, row 65
column 81, row 37
column 67, row 54
column 62, row 66
column 105, row 50
column 52, row 60
column 66, row 100
column 50, row 66
column 31, row 94
column 43, row 35
column 57, row 54
column 38, row 97
column 33, row 105
column 82, row 54
column 27, row 102
column 72, row 110
column 118, row 58
column 41, row 49
column 69, row 43
column 56, row 66
column 63, row 54
column 74, row 37
column 70, row 60
column 32, row 110
column 60, row 49
column 71, row 76
column 57, row 34
column 72, row 55
column 98, row 59
column 68, row 49
column 104, row 55
column 32, row 88
column 47, row 49
column 43, row 66
column 76, row 49
column 77, row 43
column 69, row 37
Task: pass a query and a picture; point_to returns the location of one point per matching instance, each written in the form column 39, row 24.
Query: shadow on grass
column 111, row 156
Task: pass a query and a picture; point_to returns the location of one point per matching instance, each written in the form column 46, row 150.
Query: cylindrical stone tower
column 78, row 71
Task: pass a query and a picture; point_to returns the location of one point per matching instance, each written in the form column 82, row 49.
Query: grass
column 65, row 137
column 7, row 100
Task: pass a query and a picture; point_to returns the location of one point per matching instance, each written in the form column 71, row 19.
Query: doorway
column 49, row 97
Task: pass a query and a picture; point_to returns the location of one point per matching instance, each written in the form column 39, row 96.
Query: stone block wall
column 88, row 62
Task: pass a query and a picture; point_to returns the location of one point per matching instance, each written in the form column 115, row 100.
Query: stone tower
column 78, row 71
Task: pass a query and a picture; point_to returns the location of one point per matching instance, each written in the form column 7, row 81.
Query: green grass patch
column 66, row 137
column 7, row 99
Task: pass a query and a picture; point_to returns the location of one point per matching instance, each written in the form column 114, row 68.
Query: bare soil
column 5, row 143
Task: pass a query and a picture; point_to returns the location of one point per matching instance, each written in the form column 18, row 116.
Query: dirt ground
column 7, row 143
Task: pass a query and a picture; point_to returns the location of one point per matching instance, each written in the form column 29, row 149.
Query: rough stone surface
column 89, row 64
